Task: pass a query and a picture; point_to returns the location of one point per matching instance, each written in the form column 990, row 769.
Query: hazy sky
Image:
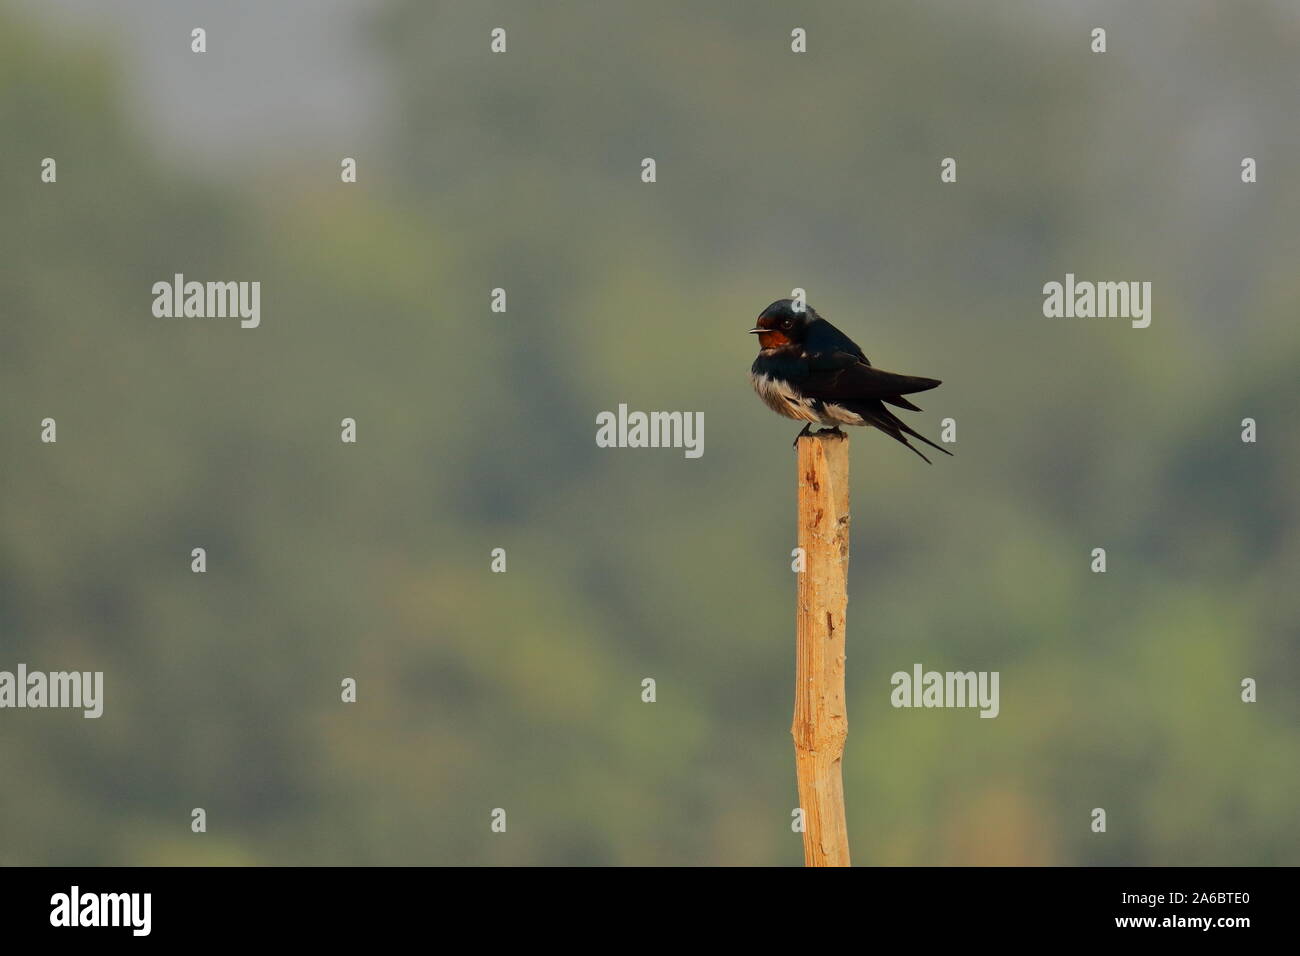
column 302, row 71
column 303, row 74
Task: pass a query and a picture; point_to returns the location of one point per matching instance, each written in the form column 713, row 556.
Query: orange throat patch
column 773, row 339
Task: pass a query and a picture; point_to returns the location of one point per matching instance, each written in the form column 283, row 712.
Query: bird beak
column 752, row 331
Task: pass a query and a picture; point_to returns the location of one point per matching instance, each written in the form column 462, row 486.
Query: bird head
column 781, row 324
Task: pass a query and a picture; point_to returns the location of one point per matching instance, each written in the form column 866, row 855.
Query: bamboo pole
column 820, row 718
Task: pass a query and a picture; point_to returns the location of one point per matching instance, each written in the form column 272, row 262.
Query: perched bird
column 809, row 370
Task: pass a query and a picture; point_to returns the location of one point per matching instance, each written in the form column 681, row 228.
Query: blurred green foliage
column 476, row 431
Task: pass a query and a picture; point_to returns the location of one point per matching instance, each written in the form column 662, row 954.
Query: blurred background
column 476, row 430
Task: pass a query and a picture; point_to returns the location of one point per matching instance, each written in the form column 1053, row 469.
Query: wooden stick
column 820, row 718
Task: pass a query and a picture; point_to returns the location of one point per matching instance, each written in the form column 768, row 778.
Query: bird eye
column 786, row 324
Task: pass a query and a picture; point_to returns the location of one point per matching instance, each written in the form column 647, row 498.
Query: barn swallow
column 809, row 370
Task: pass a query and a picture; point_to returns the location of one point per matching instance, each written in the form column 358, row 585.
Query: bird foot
column 807, row 430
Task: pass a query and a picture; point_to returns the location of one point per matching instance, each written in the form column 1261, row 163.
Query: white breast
column 779, row 397
column 833, row 414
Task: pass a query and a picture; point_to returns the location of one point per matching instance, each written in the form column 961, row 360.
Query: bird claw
column 807, row 430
